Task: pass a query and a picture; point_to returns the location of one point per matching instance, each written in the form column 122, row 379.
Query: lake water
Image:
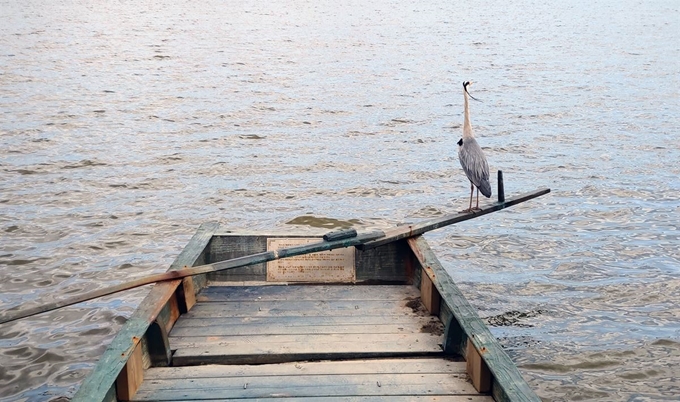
column 126, row 124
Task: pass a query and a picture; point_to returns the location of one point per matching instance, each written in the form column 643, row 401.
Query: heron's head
column 466, row 84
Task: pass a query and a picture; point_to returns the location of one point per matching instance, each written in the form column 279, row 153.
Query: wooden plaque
column 328, row 266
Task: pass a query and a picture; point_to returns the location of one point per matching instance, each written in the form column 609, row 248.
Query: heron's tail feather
column 485, row 188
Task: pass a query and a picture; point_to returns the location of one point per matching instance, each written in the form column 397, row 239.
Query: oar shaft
column 238, row 262
column 406, row 231
column 362, row 241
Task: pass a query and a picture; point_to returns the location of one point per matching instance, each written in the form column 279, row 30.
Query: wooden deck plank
column 391, row 398
column 417, row 324
column 307, row 292
column 394, row 366
column 307, row 386
column 426, row 340
column 285, row 348
column 302, row 320
column 297, row 308
column 329, row 332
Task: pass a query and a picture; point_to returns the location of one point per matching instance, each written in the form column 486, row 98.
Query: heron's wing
column 474, row 164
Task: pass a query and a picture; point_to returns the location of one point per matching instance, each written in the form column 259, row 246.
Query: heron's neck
column 467, row 127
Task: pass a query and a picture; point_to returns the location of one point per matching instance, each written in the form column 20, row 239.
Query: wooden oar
column 406, row 231
column 258, row 258
column 362, row 241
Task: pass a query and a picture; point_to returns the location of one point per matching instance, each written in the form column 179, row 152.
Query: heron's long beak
column 466, row 91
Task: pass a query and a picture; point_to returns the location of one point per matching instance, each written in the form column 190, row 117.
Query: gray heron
column 472, row 157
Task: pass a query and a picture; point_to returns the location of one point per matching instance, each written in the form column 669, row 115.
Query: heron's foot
column 470, row 210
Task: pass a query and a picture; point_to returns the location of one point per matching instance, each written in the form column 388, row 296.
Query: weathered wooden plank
column 286, row 341
column 158, row 345
column 228, row 246
column 187, row 294
column 307, row 292
column 308, row 308
column 131, row 376
column 477, row 369
column 100, row 383
column 261, row 349
column 511, row 385
column 390, row 263
column 382, row 264
column 169, row 313
column 429, row 295
column 290, row 383
column 417, row 324
column 436, row 365
column 317, row 386
column 404, row 317
column 266, row 256
column 392, row 398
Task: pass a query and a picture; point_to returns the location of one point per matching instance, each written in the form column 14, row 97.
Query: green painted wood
column 307, row 386
column 508, row 382
column 102, row 380
column 407, row 231
column 384, row 366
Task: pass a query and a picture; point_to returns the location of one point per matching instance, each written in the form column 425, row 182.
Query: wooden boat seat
column 399, row 380
column 338, row 342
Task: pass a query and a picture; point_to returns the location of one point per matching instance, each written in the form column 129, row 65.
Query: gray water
column 126, row 124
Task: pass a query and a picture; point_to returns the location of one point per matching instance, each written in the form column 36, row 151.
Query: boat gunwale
column 506, row 382
column 113, row 365
column 100, row 384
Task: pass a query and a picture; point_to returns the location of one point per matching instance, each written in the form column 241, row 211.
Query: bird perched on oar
column 472, row 157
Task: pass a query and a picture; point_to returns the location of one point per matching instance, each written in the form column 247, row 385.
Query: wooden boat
column 380, row 320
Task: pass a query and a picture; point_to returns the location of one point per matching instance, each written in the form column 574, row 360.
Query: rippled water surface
column 124, row 125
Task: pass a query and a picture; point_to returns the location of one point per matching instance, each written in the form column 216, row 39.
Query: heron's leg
column 477, row 208
column 471, row 192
